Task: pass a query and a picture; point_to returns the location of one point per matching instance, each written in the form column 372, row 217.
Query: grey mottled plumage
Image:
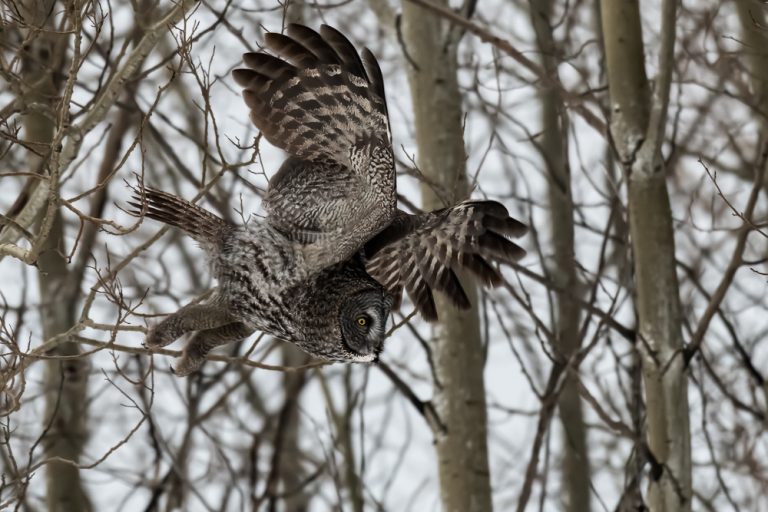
column 333, row 254
column 324, row 105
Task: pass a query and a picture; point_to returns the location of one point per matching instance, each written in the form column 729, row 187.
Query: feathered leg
column 203, row 341
column 192, row 317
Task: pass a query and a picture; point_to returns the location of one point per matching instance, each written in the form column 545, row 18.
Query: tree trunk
column 638, row 120
column 753, row 21
column 65, row 379
column 457, row 350
column 554, row 151
column 292, row 472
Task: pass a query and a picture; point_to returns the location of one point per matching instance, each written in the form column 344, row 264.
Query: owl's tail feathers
column 205, row 227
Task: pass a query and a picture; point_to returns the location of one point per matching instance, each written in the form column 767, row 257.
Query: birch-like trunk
column 554, row 151
column 457, row 351
column 752, row 16
column 638, row 121
column 65, row 379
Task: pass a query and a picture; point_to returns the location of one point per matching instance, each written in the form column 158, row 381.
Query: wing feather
column 313, row 42
column 316, row 98
column 345, row 50
column 291, row 50
column 421, row 253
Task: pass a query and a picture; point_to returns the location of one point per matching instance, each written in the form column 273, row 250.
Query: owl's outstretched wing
column 324, row 104
column 421, row 253
column 317, row 98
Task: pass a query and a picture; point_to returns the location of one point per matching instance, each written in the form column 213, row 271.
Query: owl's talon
column 150, row 340
column 157, row 337
column 187, row 366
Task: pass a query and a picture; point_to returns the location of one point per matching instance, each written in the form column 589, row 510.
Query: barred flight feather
column 420, row 253
column 316, row 98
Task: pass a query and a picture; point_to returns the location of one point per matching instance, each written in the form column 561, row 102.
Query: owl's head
column 339, row 314
column 362, row 320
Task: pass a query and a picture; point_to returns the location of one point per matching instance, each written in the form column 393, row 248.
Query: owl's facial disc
column 363, row 325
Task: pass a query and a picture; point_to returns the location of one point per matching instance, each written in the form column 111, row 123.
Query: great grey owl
column 333, row 254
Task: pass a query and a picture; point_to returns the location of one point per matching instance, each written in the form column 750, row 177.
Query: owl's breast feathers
column 256, row 266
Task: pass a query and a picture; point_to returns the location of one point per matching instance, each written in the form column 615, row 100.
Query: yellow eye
column 361, row 321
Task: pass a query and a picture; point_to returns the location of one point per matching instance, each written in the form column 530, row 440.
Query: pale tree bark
column 65, row 379
column 638, row 121
column 632, row 498
column 457, row 351
column 292, row 471
column 752, row 16
column 554, row 150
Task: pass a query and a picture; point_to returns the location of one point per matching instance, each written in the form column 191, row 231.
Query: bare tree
column 638, row 127
column 566, row 329
column 456, row 349
column 65, row 382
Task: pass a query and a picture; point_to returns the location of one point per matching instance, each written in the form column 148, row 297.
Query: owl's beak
column 364, row 350
column 368, row 351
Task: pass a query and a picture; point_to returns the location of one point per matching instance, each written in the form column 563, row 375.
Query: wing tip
column 428, row 313
column 243, row 76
